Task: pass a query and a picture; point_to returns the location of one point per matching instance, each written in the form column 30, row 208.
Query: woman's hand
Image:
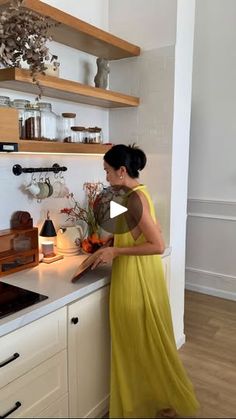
column 105, row 255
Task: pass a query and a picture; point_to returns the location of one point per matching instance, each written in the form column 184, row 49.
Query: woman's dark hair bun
column 132, row 157
column 139, row 156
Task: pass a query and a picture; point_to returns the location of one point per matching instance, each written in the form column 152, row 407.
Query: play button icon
column 116, row 209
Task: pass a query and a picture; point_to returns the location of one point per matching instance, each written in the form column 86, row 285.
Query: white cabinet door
column 30, row 394
column 58, row 409
column 89, row 355
column 23, row 349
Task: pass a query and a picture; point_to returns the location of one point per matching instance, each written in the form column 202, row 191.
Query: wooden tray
column 84, row 266
column 87, row 263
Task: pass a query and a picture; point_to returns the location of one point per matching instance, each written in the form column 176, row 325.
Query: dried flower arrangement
column 86, row 215
column 23, row 36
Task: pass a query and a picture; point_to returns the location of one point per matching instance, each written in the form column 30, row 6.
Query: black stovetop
column 13, row 299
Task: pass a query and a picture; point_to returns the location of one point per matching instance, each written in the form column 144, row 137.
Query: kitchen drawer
column 34, row 343
column 58, row 409
column 36, row 389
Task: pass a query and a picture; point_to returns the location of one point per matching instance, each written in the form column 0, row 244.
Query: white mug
column 33, row 188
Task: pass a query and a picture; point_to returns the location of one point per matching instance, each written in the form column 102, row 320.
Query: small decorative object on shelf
column 92, row 240
column 21, row 220
column 101, row 78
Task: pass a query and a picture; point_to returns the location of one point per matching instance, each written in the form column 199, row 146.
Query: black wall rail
column 18, row 169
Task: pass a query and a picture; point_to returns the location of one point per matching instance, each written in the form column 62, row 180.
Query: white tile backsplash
column 151, row 77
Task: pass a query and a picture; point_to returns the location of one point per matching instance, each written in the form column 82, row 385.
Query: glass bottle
column 48, row 122
column 5, row 102
column 68, row 121
column 20, row 105
column 32, row 122
column 78, row 134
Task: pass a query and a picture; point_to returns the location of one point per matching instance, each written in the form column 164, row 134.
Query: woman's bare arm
column 151, row 230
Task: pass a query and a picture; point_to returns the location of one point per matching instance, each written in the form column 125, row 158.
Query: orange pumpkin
column 87, row 246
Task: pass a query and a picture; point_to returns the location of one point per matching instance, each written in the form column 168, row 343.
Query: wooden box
column 9, row 125
column 18, row 250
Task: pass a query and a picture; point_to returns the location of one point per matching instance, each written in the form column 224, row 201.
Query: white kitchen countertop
column 54, row 281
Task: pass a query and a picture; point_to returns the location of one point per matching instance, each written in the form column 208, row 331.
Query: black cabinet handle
column 12, row 358
column 75, row 320
column 17, row 405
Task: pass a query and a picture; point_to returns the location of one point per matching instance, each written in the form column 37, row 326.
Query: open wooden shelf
column 29, row 146
column 54, row 87
column 81, row 35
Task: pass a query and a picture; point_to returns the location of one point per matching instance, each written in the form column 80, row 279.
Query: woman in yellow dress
column 147, row 375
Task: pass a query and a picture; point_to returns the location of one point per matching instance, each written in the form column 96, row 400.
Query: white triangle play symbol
column 116, row 209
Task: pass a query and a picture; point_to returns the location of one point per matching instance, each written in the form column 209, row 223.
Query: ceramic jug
column 67, row 240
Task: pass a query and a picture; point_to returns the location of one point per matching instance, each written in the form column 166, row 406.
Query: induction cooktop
column 13, row 299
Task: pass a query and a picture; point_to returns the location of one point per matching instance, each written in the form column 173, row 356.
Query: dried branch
column 23, row 36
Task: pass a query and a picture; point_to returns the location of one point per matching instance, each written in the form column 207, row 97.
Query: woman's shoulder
column 141, row 190
column 142, row 194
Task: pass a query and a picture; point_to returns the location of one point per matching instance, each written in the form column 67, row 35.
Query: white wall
column 150, row 24
column 150, row 77
column 75, row 66
column 211, row 239
column 94, row 12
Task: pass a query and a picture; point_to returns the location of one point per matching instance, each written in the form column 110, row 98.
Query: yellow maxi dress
column 146, row 372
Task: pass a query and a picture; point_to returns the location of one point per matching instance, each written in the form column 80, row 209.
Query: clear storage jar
column 67, row 121
column 20, row 105
column 78, row 134
column 5, row 102
column 94, row 135
column 32, row 122
column 48, row 122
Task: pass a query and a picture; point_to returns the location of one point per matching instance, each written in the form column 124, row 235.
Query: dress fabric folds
column 147, row 374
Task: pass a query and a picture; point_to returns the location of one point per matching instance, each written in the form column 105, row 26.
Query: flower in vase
column 77, row 213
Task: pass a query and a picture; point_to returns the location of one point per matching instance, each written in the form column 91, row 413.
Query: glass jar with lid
column 5, row 102
column 32, row 122
column 48, row 122
column 94, row 135
column 78, row 134
column 67, row 121
column 20, row 105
